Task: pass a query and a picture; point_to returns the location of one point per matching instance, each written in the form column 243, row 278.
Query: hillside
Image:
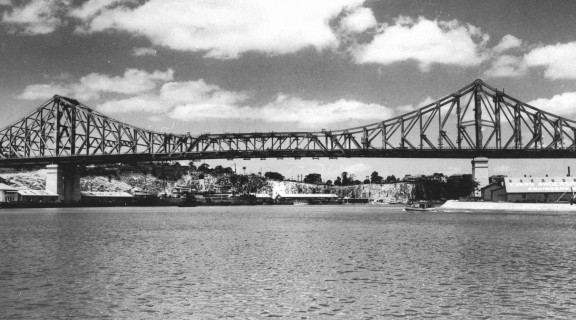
column 148, row 179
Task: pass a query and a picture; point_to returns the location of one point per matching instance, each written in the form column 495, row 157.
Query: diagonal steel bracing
column 475, row 120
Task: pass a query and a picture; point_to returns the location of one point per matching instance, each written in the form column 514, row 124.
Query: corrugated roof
column 36, row 193
column 7, row 187
column 106, row 194
column 540, row 184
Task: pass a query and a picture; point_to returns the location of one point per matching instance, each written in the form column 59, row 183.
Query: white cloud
column 508, row 42
column 92, row 7
column 427, row 42
column 293, row 109
column 36, row 17
column 507, row 66
column 190, row 100
column 133, row 81
column 226, row 29
column 89, row 87
column 43, row 91
column 5, row 3
column 409, row 108
column 148, row 103
column 558, row 60
column 199, row 101
column 144, row 52
column 560, row 104
column 361, row 19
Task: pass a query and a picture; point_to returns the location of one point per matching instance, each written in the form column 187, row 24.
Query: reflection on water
column 299, row 262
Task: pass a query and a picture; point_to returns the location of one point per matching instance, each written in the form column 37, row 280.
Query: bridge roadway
column 291, row 154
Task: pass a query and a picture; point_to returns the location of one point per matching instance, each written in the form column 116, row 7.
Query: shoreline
column 507, row 206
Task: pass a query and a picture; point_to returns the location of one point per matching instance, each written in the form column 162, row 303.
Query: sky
column 216, row 66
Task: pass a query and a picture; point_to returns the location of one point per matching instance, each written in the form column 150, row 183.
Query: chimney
column 568, row 171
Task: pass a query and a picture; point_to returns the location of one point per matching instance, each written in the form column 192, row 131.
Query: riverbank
column 507, row 206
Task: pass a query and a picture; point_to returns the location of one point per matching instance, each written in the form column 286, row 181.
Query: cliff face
column 387, row 192
column 128, row 181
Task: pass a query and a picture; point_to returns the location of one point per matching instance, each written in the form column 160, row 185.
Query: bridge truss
column 477, row 120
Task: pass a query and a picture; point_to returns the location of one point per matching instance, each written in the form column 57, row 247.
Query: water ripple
column 323, row 262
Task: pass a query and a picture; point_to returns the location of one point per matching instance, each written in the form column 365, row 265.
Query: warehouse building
column 531, row 189
column 36, row 196
column 8, row 193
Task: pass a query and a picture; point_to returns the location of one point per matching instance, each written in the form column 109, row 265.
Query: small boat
column 421, row 206
column 419, row 209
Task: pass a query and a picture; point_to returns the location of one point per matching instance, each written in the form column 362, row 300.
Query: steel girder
column 475, row 120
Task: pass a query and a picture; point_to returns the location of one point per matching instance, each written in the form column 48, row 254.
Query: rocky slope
column 130, row 181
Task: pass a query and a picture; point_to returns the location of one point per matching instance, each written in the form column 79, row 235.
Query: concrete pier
column 480, row 173
column 63, row 181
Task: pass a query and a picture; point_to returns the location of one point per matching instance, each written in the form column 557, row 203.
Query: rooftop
column 36, row 193
column 539, row 184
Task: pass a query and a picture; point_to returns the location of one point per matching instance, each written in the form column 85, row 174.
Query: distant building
column 8, row 193
column 413, row 178
column 36, row 196
column 106, row 197
column 494, row 192
column 310, row 198
column 531, row 189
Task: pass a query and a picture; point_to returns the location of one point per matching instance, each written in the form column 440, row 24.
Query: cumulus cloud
column 227, row 29
column 361, row 19
column 43, row 91
column 199, row 101
column 426, row 42
column 35, row 17
column 560, row 104
column 508, row 42
column 410, row 107
column 89, row 87
column 557, row 60
column 144, row 52
column 289, row 108
column 507, row 66
column 91, row 8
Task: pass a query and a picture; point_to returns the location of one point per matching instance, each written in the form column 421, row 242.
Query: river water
column 295, row 262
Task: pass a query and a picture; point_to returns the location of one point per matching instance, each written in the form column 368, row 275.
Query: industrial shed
column 539, row 189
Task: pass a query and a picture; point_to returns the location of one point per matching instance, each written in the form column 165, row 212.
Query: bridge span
column 475, row 121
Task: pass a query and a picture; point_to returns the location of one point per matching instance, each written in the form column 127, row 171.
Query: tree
column 375, row 178
column 328, row 182
column 204, row 167
column 459, row 186
column 345, row 180
column 366, row 181
column 391, row 179
column 338, row 181
column 273, row 176
column 313, row 178
column 192, row 166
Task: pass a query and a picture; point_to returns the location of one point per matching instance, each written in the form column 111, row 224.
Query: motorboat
column 421, row 206
column 419, row 209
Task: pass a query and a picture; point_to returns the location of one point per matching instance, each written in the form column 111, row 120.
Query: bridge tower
column 63, row 181
column 480, row 173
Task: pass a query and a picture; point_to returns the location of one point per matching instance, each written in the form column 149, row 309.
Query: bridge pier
column 480, row 173
column 63, row 181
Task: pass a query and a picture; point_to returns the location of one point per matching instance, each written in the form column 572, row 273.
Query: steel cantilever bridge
column 477, row 120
